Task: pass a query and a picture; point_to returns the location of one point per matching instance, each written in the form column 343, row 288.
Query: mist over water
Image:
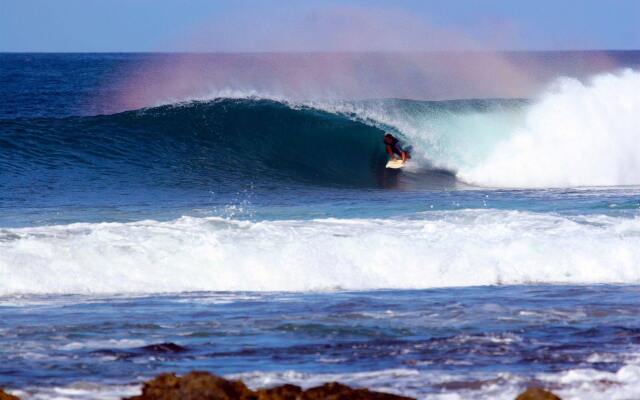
column 158, row 79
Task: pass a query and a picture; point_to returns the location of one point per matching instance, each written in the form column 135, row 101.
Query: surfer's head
column 388, row 138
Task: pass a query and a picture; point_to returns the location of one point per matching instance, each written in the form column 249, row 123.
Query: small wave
column 438, row 249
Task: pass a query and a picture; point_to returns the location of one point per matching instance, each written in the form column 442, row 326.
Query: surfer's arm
column 390, row 151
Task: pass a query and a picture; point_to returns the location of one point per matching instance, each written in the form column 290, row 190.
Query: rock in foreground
column 6, row 396
column 205, row 386
column 537, row 394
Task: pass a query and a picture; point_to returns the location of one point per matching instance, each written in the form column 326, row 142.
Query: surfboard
column 395, row 164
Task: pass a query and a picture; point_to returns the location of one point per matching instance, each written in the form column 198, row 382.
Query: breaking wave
column 576, row 134
column 435, row 249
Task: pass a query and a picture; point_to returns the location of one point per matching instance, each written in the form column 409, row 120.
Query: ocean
column 155, row 217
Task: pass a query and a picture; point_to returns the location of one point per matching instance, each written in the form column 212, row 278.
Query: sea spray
column 577, row 134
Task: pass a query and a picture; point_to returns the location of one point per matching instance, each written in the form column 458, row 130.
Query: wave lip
column 450, row 248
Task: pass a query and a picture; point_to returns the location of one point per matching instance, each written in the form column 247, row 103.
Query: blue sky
column 288, row 25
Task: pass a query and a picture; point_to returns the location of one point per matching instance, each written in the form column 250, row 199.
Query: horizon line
column 319, row 52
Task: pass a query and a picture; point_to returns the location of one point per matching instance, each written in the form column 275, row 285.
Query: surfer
column 393, row 148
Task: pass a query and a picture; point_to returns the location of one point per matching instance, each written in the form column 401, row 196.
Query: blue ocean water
column 418, row 342
column 258, row 235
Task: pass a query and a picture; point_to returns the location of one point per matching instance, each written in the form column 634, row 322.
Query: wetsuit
column 395, row 147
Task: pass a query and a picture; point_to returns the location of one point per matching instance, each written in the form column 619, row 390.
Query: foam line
column 452, row 248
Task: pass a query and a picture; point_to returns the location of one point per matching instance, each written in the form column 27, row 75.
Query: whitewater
column 260, row 235
column 441, row 249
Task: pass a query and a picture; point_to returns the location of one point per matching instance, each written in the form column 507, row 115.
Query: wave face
column 219, row 141
column 230, row 143
column 435, row 249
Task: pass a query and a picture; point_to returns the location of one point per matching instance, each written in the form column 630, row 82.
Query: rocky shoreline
column 205, row 386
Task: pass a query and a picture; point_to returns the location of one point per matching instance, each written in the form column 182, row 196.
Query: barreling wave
column 218, row 141
column 233, row 141
column 576, row 134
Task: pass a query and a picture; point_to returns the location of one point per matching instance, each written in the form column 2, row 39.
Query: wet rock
column 168, row 347
column 204, row 386
column 338, row 391
column 193, row 386
column 6, row 396
column 537, row 394
column 284, row 392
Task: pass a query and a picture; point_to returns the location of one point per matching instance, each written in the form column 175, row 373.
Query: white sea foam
column 226, row 93
column 79, row 391
column 594, row 384
column 573, row 384
column 576, row 134
column 106, row 344
column 450, row 248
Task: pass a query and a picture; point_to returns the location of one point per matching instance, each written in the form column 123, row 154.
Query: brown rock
column 326, row 391
column 204, row 386
column 6, row 396
column 284, row 392
column 537, row 394
column 194, row 386
column 338, row 391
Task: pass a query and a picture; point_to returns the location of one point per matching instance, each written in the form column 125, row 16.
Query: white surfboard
column 395, row 164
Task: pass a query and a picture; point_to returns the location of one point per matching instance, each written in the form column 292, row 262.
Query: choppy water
column 260, row 236
column 481, row 341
